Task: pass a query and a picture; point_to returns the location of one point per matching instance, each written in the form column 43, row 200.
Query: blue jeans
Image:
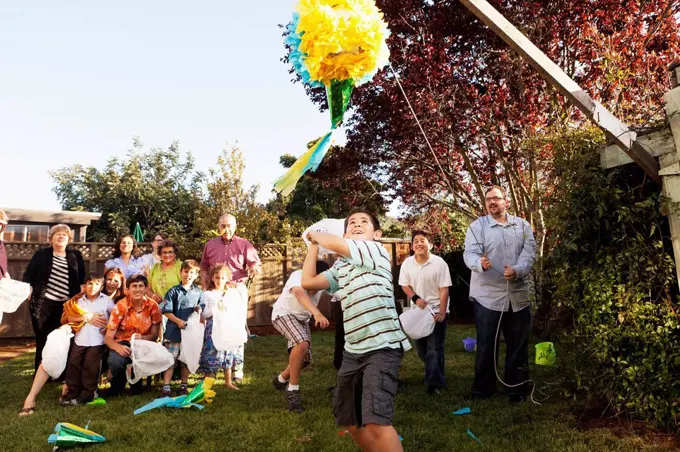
column 117, row 365
column 515, row 327
column 431, row 352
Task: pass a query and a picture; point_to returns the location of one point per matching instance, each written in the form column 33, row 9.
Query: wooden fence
column 278, row 262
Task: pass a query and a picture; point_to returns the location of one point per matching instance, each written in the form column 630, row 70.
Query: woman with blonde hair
column 55, row 274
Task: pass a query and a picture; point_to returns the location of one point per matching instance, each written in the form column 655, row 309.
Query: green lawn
column 254, row 419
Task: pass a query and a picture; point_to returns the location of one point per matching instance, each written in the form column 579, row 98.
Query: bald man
column 239, row 255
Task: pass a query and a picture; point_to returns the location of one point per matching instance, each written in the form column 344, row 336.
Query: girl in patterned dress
column 213, row 360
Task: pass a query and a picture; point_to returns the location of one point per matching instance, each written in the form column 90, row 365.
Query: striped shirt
column 57, row 285
column 363, row 285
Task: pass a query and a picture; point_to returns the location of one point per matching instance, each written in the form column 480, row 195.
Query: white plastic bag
column 55, row 352
column 330, row 225
column 192, row 342
column 12, row 294
column 148, row 358
column 417, row 323
column 229, row 321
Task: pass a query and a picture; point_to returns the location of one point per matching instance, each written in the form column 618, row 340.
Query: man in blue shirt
column 500, row 250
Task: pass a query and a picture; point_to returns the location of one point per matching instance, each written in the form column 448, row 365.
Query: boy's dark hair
column 425, row 234
column 321, row 266
column 94, row 276
column 138, row 277
column 190, row 264
column 371, row 215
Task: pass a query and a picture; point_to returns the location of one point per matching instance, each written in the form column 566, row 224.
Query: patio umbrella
column 138, row 234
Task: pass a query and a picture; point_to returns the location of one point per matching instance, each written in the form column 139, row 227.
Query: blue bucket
column 470, row 344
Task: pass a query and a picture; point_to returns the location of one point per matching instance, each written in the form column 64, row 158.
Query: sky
column 80, row 79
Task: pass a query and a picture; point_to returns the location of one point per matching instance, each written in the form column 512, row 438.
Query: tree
column 162, row 190
column 158, row 188
column 479, row 102
column 225, row 193
column 335, row 188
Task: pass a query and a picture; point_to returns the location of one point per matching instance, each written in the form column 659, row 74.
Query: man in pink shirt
column 238, row 254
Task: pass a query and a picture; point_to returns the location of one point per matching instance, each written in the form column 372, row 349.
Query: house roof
column 50, row 216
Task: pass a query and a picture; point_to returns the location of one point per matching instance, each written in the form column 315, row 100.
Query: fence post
column 285, row 263
column 94, row 251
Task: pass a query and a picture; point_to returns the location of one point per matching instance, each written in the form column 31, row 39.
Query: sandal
column 27, row 411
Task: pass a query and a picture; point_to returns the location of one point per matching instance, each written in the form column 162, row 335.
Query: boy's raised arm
column 310, row 280
column 334, row 243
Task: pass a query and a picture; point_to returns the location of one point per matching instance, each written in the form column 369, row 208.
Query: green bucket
column 545, row 354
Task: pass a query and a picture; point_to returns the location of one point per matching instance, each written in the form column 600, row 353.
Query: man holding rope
column 500, row 250
column 241, row 258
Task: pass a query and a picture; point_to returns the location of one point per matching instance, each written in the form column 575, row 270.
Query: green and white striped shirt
column 363, row 285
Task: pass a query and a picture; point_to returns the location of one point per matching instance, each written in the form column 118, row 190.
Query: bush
column 606, row 284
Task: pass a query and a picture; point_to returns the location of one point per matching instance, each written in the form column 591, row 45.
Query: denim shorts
column 366, row 386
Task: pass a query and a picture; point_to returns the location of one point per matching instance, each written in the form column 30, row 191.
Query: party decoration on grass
column 96, row 402
column 462, row 411
column 338, row 44
column 201, row 393
column 546, row 354
column 470, row 344
column 472, row 435
column 69, row 435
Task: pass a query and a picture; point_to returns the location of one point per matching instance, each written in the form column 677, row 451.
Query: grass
column 255, row 419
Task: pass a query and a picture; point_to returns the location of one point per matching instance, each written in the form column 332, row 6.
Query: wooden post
column 671, row 174
column 94, row 250
column 285, row 263
column 596, row 112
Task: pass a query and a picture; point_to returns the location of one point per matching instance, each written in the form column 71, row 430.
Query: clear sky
column 80, row 79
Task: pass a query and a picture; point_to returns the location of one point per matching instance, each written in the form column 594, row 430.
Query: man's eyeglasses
column 494, row 198
column 168, row 252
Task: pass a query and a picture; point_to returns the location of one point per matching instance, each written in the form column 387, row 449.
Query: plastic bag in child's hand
column 55, row 352
column 329, row 225
column 192, row 342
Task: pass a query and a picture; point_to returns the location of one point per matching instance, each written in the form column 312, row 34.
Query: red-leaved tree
column 480, row 103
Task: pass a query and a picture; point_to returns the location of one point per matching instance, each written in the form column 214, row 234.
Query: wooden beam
column 615, row 130
column 657, row 143
column 51, row 217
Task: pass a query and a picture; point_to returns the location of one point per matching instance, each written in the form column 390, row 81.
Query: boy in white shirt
column 425, row 279
column 290, row 316
column 88, row 315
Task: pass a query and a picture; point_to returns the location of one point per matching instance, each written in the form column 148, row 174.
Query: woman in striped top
column 55, row 273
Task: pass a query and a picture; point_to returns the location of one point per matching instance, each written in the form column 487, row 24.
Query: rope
column 413, row 112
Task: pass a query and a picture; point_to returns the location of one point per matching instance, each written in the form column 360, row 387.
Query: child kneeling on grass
column 179, row 303
column 290, row 316
column 361, row 279
column 89, row 309
column 221, row 296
